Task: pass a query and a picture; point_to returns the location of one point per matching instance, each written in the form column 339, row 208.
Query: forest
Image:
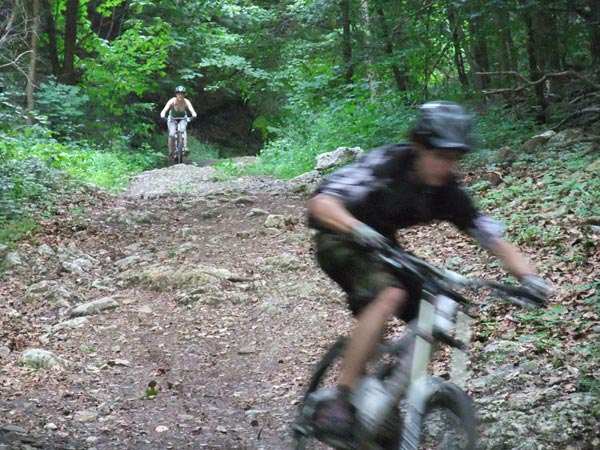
column 83, row 81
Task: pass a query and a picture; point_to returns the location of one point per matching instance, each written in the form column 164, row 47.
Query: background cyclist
column 177, row 107
column 362, row 205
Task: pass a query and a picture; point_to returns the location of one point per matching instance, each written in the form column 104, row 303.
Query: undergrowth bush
column 107, row 169
column 37, row 173
column 308, row 130
column 545, row 191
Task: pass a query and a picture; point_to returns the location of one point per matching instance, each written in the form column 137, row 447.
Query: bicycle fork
column 419, row 388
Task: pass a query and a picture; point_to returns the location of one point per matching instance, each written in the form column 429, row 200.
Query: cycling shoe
column 335, row 418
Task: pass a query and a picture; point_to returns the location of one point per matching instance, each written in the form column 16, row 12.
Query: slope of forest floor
column 215, row 314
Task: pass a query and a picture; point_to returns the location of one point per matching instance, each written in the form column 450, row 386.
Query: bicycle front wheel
column 449, row 420
column 179, row 149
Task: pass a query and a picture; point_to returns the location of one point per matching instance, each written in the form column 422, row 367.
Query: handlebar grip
column 519, row 295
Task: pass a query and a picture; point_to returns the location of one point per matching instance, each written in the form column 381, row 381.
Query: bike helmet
column 180, row 89
column 443, row 124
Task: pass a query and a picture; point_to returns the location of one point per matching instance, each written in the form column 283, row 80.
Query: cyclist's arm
column 190, row 108
column 489, row 233
column 330, row 212
column 350, row 185
column 513, row 259
column 163, row 113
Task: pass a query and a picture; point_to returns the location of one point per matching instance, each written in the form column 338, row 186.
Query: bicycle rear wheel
column 449, row 421
column 324, row 377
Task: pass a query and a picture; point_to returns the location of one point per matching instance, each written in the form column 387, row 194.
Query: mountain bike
column 399, row 404
column 179, row 141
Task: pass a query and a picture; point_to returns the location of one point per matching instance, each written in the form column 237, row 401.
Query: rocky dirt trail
column 188, row 312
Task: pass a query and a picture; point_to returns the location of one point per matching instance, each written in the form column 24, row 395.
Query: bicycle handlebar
column 444, row 279
column 188, row 118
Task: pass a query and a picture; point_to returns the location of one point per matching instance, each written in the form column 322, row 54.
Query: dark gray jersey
column 382, row 191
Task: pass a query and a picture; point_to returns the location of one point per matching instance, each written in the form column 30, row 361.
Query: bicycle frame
column 410, row 378
column 422, row 385
column 440, row 319
column 178, row 150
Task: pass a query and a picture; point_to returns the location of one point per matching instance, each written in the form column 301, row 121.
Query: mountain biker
column 361, row 206
column 177, row 107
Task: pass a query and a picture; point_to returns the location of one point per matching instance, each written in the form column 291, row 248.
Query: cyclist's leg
column 170, row 145
column 368, row 332
column 172, row 124
column 374, row 295
column 184, row 131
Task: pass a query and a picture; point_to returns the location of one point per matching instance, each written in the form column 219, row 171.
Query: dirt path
column 214, row 320
column 226, row 363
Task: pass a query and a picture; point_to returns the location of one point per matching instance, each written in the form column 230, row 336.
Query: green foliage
column 309, row 131
column 119, row 74
column 227, row 169
column 545, row 188
column 13, row 230
column 151, row 392
column 37, row 173
column 26, row 187
column 63, row 105
column 498, row 128
column 128, row 64
column 109, row 170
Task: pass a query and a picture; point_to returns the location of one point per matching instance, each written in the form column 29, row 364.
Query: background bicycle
column 179, row 149
column 399, row 404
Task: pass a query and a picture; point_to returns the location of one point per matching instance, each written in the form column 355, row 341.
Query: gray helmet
column 443, row 124
column 179, row 89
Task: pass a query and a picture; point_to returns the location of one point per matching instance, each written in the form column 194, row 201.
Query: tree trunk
column 534, row 67
column 479, row 59
column 71, row 17
column 6, row 25
column 508, row 55
column 50, row 28
column 400, row 76
column 547, row 49
column 369, row 39
column 34, row 51
column 594, row 29
column 347, row 42
column 457, row 35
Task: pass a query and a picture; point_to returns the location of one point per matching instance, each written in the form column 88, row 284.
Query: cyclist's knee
column 391, row 299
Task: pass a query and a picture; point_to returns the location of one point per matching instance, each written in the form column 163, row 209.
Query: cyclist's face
column 435, row 167
column 180, row 95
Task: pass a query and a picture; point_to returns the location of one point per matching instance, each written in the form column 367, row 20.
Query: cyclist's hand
column 538, row 288
column 366, row 236
column 163, row 118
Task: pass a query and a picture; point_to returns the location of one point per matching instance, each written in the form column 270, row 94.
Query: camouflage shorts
column 361, row 274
